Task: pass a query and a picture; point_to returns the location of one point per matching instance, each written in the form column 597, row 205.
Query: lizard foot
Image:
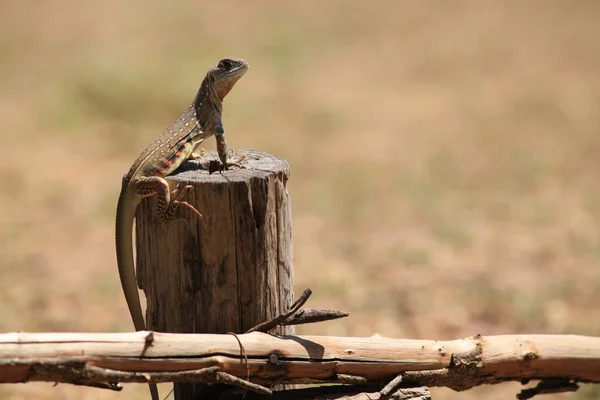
column 176, row 202
column 219, row 166
column 216, row 165
column 231, row 162
column 236, row 162
column 198, row 154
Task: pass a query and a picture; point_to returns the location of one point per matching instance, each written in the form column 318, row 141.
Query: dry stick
column 204, row 374
column 457, row 364
column 391, row 387
column 351, row 379
column 338, row 392
column 313, row 315
column 297, row 317
column 224, row 377
column 268, row 325
column 207, row 375
column 84, row 375
column 417, row 393
column 342, row 379
column 108, row 385
column 263, row 327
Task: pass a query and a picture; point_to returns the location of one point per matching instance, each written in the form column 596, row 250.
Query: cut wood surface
column 458, row 364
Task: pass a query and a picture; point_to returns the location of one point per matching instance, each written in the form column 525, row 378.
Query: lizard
column 146, row 177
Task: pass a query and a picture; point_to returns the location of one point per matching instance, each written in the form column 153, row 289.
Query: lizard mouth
column 238, row 68
column 233, row 65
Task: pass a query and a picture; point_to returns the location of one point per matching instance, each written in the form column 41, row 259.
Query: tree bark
column 228, row 271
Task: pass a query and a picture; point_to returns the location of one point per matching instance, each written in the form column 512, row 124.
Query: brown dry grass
column 444, row 170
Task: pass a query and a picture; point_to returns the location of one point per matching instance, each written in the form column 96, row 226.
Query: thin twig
column 312, row 315
column 205, row 375
column 344, row 392
column 273, row 323
column 343, row 379
column 202, row 375
column 102, row 385
column 224, row 377
column 391, row 387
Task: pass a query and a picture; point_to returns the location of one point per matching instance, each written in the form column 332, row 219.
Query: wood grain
column 458, row 364
column 233, row 268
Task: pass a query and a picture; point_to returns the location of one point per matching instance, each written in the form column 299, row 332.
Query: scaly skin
column 146, row 177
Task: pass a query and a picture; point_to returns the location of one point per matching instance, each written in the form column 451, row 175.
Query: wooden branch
column 279, row 319
column 86, row 358
column 312, row 315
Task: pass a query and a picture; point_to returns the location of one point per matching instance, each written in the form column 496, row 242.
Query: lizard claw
column 176, row 201
column 237, row 161
column 176, row 190
column 198, row 154
column 189, row 206
column 177, row 194
column 232, row 163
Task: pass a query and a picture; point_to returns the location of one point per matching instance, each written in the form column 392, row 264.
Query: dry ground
column 445, row 157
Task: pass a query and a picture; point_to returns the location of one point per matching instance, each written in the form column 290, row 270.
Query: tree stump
column 228, row 271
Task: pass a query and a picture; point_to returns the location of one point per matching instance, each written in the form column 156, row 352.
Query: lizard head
column 226, row 73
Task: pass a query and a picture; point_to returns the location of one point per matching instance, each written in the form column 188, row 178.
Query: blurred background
column 444, row 158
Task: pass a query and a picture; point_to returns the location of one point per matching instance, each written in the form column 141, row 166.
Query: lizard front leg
column 198, row 153
column 165, row 205
column 223, row 153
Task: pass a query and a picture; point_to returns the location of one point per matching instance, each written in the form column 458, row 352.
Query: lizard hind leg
column 197, row 154
column 177, row 202
column 167, row 202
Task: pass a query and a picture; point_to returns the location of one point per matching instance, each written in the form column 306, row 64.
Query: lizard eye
column 224, row 64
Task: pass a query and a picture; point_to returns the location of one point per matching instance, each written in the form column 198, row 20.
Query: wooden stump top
column 256, row 164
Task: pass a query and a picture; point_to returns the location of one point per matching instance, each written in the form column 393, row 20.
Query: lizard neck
column 208, row 105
